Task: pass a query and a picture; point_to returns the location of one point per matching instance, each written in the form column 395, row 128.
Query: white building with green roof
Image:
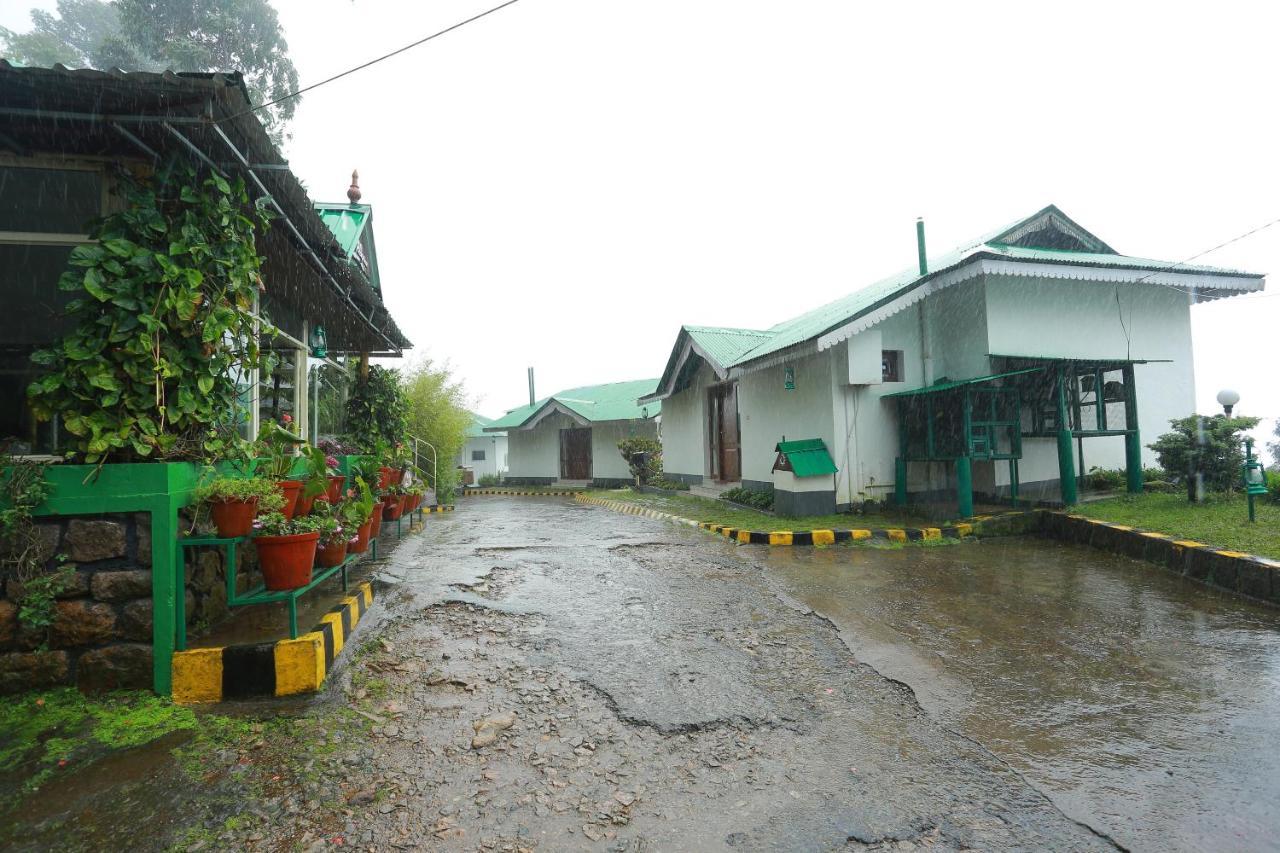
column 980, row 371
column 485, row 453
column 572, row 436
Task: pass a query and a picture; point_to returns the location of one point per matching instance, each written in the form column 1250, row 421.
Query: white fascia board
column 785, row 356
column 1188, row 281
column 690, row 348
column 551, row 408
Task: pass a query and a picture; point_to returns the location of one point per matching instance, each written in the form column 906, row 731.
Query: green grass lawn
column 720, row 512
column 1221, row 521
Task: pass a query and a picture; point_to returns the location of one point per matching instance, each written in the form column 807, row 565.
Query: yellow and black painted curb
column 437, row 508
column 283, row 668
column 805, row 537
column 1234, row 571
column 524, row 493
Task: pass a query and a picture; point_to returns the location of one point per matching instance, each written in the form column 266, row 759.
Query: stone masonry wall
column 102, row 630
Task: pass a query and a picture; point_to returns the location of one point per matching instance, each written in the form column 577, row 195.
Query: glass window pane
column 49, row 201
column 29, row 293
column 277, row 394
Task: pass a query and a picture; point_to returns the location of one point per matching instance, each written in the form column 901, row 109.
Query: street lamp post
column 1227, row 398
column 1255, row 481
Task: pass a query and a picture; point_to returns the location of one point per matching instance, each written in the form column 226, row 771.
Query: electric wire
column 374, row 61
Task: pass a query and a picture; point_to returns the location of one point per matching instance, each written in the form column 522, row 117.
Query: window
column 891, row 365
column 477, row 456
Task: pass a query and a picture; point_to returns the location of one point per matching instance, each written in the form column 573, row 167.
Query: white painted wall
column 768, row 411
column 495, row 455
column 536, row 452
column 685, row 447
column 606, row 461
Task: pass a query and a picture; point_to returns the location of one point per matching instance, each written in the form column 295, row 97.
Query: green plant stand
column 258, row 595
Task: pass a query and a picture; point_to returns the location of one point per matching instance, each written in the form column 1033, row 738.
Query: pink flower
column 286, row 418
column 331, row 461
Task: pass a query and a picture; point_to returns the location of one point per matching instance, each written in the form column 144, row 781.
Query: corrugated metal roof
column 74, row 112
column 835, row 314
column 346, row 221
column 960, row 383
column 616, row 401
column 808, row 457
column 478, row 423
column 725, row 345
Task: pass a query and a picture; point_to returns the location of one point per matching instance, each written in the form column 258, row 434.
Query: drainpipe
column 532, row 398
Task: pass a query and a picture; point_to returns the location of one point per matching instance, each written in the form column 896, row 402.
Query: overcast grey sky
column 565, row 182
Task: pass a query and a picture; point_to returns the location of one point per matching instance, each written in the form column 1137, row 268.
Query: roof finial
column 353, row 191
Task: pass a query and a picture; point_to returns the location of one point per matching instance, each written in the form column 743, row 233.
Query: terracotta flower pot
column 360, row 543
column 291, row 489
column 328, row 556
column 388, row 477
column 286, row 561
column 375, row 523
column 304, row 504
column 393, row 507
column 336, row 483
column 234, row 518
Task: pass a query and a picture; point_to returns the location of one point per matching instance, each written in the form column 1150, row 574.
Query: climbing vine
column 377, row 410
column 164, row 323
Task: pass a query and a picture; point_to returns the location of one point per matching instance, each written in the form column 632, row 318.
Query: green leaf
column 121, row 247
column 105, row 381
column 205, row 384
column 86, row 256
column 93, row 284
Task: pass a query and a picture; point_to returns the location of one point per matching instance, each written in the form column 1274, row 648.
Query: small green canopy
column 807, row 457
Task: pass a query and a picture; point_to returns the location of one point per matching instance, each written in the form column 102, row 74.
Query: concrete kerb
column 959, row 530
column 283, row 668
column 1234, row 571
column 523, row 493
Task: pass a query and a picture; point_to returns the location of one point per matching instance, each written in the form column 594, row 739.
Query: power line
column 375, row 61
column 1222, row 245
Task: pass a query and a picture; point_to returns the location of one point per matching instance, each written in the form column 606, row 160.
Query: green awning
column 961, row 383
column 807, row 457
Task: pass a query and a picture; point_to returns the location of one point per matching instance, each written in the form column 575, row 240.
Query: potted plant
column 286, row 549
column 413, row 496
column 393, row 503
column 401, row 460
column 356, row 513
column 382, row 453
column 331, row 550
column 278, row 451
column 319, row 479
column 235, row 501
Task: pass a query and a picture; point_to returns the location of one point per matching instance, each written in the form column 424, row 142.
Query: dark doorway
column 726, row 455
column 575, row 454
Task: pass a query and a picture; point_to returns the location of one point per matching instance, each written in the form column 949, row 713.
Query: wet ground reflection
column 1141, row 703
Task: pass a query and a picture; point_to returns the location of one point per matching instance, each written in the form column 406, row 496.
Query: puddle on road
column 1141, row 703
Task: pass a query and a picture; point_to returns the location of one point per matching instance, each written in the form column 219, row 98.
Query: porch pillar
column 964, row 485
column 900, row 463
column 1132, row 439
column 1066, row 456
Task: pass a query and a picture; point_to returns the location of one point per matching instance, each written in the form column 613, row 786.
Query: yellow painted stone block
column 1233, row 553
column 366, row 590
column 197, row 676
column 335, row 620
column 897, row 535
column 964, row 529
column 1189, row 543
column 824, row 537
column 744, row 536
column 780, row 537
column 859, row 535
column 931, row 533
column 300, row 664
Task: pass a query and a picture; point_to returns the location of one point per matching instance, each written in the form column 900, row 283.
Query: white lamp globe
column 1227, row 398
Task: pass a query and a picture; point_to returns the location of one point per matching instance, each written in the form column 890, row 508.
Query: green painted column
column 165, row 587
column 1013, row 482
column 1066, row 456
column 1132, row 440
column 964, row 485
column 900, row 481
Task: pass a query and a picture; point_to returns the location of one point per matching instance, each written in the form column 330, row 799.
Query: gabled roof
column 719, row 347
column 478, row 423
column 352, row 227
column 1048, row 236
column 617, row 401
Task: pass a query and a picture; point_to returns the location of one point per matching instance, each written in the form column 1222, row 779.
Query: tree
column 1204, row 450
column 155, row 35
column 438, row 415
column 376, row 409
column 1274, row 446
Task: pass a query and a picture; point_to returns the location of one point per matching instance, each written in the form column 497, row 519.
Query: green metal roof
column 616, row 401
column 725, row 345
column 808, row 457
column 960, row 383
column 346, row 221
column 478, row 423
column 1057, row 229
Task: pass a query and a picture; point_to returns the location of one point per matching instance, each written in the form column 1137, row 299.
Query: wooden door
column 575, row 454
column 726, row 451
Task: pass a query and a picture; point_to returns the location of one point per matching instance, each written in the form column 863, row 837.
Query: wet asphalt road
column 686, row 641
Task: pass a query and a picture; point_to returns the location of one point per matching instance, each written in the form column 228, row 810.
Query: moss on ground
column 1221, row 520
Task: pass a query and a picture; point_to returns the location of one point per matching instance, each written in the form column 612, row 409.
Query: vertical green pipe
column 164, row 588
column 964, row 485
column 900, row 481
column 1066, row 457
column 924, row 261
column 1013, row 481
column 1132, row 439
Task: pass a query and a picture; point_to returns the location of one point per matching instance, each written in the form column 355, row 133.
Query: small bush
column 749, row 497
column 670, row 485
column 644, row 458
column 1273, row 486
column 1105, row 479
column 490, row 480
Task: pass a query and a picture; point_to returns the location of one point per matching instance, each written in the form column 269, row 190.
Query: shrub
column 1273, row 486
column 1106, row 480
column 644, row 458
column 377, row 410
column 266, row 491
column 750, row 497
column 1212, row 446
column 490, row 479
